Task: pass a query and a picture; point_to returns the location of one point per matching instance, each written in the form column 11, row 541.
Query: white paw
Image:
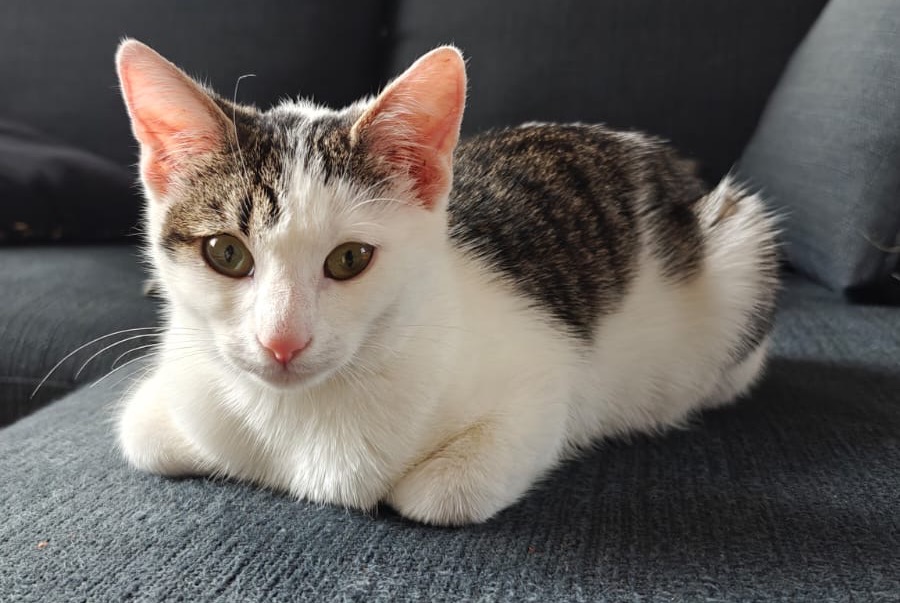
column 467, row 480
column 443, row 491
column 150, row 441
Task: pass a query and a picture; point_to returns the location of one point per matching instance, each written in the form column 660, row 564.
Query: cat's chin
column 286, row 380
column 280, row 380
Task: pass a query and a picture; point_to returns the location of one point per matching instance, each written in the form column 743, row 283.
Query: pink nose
column 284, row 349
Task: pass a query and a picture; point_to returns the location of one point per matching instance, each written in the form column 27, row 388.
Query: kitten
column 359, row 309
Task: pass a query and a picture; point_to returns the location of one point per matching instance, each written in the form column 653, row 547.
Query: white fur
column 444, row 393
column 428, row 382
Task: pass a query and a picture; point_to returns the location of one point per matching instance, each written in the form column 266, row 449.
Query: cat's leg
column 149, row 437
column 481, row 470
column 738, row 379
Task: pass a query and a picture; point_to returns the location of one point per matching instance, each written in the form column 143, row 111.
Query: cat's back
column 564, row 210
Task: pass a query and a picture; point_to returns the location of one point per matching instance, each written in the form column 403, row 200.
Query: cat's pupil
column 229, row 254
column 348, row 258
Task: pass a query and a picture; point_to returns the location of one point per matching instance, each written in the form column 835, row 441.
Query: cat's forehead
column 291, row 167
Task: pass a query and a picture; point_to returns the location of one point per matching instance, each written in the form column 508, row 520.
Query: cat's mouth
column 285, row 377
column 301, row 373
column 317, row 363
column 280, row 378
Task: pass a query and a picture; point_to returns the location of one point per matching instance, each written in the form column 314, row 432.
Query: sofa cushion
column 56, row 57
column 52, row 300
column 790, row 495
column 695, row 72
column 827, row 150
column 51, row 191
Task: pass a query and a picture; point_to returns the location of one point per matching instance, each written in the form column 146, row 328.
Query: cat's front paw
column 463, row 482
column 150, row 441
column 440, row 492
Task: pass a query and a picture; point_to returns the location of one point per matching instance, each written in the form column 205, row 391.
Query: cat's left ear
column 174, row 119
column 414, row 123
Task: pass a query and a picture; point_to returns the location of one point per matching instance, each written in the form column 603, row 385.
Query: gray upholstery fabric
column 791, row 495
column 827, row 150
column 52, row 300
column 695, row 72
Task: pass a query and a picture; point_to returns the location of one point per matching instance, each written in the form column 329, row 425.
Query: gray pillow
column 827, row 149
column 54, row 192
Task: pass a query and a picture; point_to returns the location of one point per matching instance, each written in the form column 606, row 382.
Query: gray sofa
column 791, row 494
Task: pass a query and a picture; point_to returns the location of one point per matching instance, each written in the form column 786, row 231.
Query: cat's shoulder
column 532, row 200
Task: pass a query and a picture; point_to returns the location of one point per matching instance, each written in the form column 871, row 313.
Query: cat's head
column 285, row 241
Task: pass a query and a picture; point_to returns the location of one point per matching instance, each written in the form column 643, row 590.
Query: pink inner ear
column 414, row 124
column 174, row 120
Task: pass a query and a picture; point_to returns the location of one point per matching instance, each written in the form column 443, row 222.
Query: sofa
column 792, row 493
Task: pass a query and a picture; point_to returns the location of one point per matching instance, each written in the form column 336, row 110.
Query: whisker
column 182, row 345
column 361, row 225
column 357, row 203
column 126, row 352
column 237, row 141
column 377, row 200
column 79, row 348
column 142, row 372
column 133, row 360
column 109, row 347
column 138, row 376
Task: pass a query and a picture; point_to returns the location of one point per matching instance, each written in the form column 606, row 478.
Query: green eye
column 227, row 255
column 348, row 260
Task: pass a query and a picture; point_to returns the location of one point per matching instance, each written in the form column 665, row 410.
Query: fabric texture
column 827, row 151
column 697, row 73
column 54, row 192
column 56, row 57
column 52, row 300
column 790, row 495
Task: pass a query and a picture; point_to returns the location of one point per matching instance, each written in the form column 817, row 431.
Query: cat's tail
column 732, row 210
column 742, row 257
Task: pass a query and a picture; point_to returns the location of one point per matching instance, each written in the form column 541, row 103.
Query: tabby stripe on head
column 174, row 239
column 246, row 211
column 274, row 207
column 328, row 143
column 215, row 204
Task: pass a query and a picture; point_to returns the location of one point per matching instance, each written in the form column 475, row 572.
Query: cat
column 360, row 308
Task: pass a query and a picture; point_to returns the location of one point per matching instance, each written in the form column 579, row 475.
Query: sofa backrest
column 695, row 72
column 56, row 57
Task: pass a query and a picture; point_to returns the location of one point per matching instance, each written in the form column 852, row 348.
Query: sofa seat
column 792, row 494
column 54, row 299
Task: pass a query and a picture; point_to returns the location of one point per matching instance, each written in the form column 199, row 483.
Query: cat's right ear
column 173, row 118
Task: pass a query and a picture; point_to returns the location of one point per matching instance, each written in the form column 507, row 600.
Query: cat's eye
column 348, row 260
column 227, row 255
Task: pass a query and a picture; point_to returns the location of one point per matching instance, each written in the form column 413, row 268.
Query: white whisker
column 137, row 377
column 127, row 352
column 79, row 348
column 133, row 360
column 237, row 141
column 109, row 347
